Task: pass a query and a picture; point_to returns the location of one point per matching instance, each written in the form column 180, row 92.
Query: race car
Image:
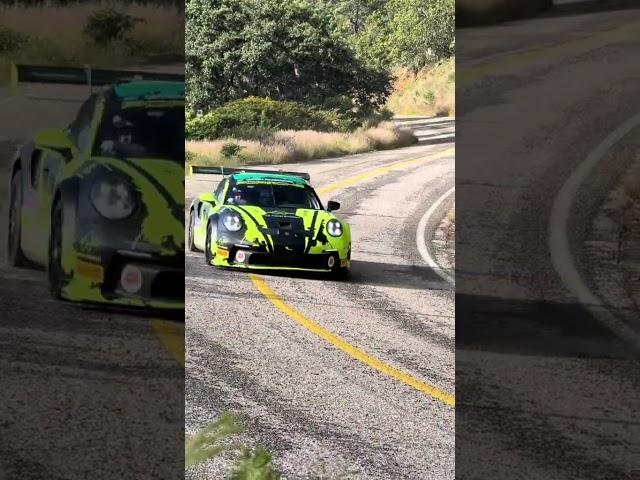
column 100, row 204
column 269, row 220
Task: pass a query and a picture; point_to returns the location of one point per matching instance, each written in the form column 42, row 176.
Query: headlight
column 113, row 198
column 232, row 222
column 334, row 227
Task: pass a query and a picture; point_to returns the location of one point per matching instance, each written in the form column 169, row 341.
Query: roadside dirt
column 444, row 242
column 613, row 247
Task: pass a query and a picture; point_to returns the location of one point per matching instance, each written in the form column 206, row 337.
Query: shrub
column 217, row 438
column 256, row 118
column 10, row 40
column 106, row 25
column 230, row 149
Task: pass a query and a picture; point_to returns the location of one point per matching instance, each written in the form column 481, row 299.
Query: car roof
column 268, row 177
column 141, row 90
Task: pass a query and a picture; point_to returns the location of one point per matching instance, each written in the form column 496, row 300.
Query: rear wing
column 230, row 171
column 83, row 75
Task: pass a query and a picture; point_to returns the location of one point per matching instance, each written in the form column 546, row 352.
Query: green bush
column 217, row 438
column 256, row 118
column 253, row 118
column 107, row 25
column 10, row 40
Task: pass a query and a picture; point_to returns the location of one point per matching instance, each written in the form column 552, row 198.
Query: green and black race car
column 100, row 204
column 266, row 220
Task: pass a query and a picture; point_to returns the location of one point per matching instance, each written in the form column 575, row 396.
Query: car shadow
column 379, row 274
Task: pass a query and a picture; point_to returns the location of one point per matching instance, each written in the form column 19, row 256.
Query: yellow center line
column 510, row 60
column 172, row 337
column 348, row 182
column 345, row 346
column 263, row 287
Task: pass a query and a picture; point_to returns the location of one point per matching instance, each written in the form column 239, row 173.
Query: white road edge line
column 422, row 243
column 561, row 257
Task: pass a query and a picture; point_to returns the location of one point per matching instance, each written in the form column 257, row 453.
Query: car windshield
column 273, row 195
column 142, row 132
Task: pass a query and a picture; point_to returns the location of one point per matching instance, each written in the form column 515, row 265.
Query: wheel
column 341, row 273
column 55, row 273
column 191, row 244
column 209, row 244
column 16, row 255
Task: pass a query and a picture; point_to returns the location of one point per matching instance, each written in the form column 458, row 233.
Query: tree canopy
column 281, row 49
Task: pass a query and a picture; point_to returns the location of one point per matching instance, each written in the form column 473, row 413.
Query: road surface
column 376, row 401
column 85, row 393
column 545, row 385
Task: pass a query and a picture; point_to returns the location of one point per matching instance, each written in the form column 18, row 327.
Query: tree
column 409, row 33
column 281, row 49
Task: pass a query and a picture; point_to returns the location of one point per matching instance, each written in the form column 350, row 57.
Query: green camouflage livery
column 269, row 221
column 99, row 206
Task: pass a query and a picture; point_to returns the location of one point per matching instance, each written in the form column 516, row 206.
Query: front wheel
column 16, row 255
column 191, row 243
column 210, row 242
column 55, row 273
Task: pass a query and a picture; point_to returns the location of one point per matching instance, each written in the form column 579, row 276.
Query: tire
column 14, row 233
column 55, row 273
column 191, row 244
column 341, row 273
column 211, row 235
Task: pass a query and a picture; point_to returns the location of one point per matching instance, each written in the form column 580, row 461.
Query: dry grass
column 429, row 93
column 300, row 145
column 53, row 35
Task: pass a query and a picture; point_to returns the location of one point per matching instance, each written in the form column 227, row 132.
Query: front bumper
column 243, row 257
column 99, row 278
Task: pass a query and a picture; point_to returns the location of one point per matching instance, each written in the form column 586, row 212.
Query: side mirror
column 333, row 206
column 57, row 140
column 208, row 198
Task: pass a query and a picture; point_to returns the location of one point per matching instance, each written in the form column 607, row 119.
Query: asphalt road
column 84, row 393
column 546, row 386
column 264, row 346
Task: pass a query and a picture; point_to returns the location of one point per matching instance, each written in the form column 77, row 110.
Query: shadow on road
column 533, row 327
column 377, row 274
column 589, row 6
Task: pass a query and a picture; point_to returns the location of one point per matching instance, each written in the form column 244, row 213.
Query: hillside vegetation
column 259, row 69
column 102, row 34
column 429, row 92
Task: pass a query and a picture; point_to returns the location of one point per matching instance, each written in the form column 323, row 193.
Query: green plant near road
column 216, row 439
column 258, row 118
column 107, row 25
column 10, row 40
column 230, row 149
